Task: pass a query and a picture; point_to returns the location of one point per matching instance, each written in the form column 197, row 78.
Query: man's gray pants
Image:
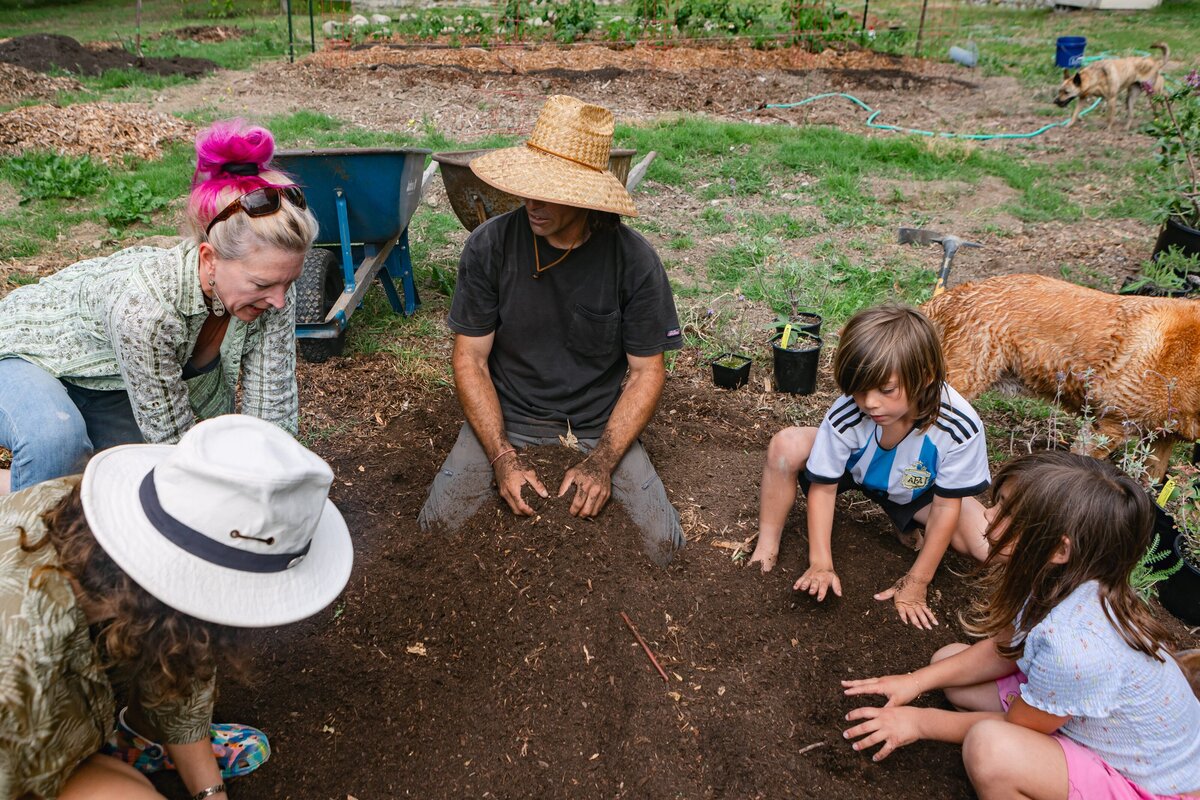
column 466, row 481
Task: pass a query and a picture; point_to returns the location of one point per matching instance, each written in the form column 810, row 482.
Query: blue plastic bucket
column 1069, row 52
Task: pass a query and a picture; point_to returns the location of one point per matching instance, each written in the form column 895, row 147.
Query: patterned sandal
column 239, row 749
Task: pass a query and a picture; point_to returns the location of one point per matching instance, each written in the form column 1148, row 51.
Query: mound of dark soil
column 43, row 52
column 494, row 660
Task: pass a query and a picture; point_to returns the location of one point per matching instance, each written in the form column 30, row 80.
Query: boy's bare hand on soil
column 893, row 727
column 819, row 580
column 900, row 690
column 511, row 476
column 764, row 557
column 908, row 594
column 593, row 487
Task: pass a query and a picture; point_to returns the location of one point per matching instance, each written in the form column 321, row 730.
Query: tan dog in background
column 1110, row 77
column 1134, row 361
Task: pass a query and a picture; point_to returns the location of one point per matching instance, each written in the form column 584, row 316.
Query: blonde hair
column 290, row 229
column 893, row 339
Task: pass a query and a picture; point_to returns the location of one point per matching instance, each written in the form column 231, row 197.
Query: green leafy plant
column 1146, row 576
column 1182, row 502
column 39, row 176
column 1176, row 126
column 221, row 9
column 131, row 201
column 573, row 19
column 1167, row 274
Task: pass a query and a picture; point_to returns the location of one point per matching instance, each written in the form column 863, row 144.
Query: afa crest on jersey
column 915, row 476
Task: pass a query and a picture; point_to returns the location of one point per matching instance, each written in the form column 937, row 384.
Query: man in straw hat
column 556, row 302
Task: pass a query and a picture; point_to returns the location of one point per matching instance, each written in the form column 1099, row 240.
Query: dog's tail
column 1166, row 51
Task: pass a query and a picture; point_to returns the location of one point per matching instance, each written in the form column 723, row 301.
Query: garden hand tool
column 950, row 244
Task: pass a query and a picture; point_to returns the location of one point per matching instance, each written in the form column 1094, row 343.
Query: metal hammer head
column 949, row 242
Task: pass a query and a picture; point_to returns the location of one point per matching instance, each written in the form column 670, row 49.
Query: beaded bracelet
column 209, row 792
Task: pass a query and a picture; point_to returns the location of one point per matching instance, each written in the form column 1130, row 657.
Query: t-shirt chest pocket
column 594, row 335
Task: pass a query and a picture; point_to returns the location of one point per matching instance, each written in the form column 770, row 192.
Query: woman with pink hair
column 140, row 345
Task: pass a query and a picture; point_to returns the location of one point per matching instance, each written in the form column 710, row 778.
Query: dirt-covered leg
column 786, row 456
column 461, row 486
column 637, row 487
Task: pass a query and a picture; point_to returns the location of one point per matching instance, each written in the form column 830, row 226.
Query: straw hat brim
column 533, row 174
column 190, row 584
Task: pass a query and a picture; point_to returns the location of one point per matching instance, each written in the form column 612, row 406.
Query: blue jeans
column 53, row 427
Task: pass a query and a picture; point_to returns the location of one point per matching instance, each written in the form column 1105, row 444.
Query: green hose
column 871, row 123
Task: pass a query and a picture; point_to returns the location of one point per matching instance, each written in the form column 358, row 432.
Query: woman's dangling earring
column 218, row 308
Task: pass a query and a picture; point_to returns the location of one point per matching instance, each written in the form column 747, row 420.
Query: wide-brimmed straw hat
column 564, row 161
column 232, row 525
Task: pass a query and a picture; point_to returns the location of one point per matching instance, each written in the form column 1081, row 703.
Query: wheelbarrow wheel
column 318, row 288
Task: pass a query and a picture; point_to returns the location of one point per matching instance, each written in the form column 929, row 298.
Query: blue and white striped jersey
column 950, row 456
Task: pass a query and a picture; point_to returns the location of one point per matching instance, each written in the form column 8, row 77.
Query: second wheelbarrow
column 363, row 199
column 475, row 202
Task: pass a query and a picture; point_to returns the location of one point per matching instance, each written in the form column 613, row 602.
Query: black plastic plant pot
column 1180, row 593
column 1176, row 234
column 796, row 366
column 731, row 370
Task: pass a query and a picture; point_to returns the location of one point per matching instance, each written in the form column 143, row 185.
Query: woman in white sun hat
column 140, row 569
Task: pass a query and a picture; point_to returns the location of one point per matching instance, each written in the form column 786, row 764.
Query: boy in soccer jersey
column 900, row 435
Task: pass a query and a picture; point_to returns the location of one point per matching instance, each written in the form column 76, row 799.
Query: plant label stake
column 787, row 334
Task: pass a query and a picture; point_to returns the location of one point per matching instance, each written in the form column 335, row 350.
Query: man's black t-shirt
column 562, row 337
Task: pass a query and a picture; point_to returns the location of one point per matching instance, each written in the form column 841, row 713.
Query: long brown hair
column 168, row 649
column 1106, row 517
column 893, row 339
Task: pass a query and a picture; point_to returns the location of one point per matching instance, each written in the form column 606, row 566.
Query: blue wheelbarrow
column 363, row 199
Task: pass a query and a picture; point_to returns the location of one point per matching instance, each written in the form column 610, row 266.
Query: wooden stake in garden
column 645, row 647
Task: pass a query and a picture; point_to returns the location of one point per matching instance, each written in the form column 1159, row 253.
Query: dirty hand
column 511, row 475
column 894, row 727
column 593, row 486
column 908, row 594
column 764, row 557
column 900, row 690
column 819, row 580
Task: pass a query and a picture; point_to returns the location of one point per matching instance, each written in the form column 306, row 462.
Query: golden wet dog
column 1134, row 361
column 1110, row 77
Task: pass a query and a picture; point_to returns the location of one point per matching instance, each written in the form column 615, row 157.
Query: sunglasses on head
column 262, row 202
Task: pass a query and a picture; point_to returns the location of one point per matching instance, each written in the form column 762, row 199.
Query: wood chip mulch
column 105, row 131
column 18, row 83
column 585, row 57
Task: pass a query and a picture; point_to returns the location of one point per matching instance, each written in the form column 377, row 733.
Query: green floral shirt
column 130, row 321
column 56, row 700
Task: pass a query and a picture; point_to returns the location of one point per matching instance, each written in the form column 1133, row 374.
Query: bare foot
column 765, row 558
column 913, row 539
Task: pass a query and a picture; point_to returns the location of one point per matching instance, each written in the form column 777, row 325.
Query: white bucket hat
column 233, row 525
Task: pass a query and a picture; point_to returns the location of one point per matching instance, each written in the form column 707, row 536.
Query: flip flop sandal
column 239, row 749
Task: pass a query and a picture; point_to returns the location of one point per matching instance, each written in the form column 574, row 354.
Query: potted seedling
column 731, row 369
column 802, row 318
column 797, row 355
column 1180, row 500
column 1176, row 126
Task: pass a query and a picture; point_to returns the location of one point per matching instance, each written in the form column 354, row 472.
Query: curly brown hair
column 170, row 650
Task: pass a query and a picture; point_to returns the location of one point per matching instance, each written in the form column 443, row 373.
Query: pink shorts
column 1089, row 777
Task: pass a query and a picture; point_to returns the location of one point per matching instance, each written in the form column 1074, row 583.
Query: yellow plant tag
column 787, row 334
column 1165, row 495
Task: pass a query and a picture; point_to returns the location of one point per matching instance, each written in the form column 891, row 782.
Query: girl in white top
column 899, row 434
column 1071, row 695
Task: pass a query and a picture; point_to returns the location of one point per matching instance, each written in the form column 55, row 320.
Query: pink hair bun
column 227, row 142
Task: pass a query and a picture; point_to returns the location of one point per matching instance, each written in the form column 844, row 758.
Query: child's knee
column 789, row 449
column 988, row 753
column 947, row 651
